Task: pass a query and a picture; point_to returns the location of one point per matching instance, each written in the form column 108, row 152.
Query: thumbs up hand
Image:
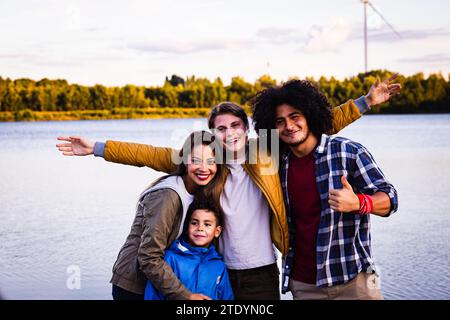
column 343, row 200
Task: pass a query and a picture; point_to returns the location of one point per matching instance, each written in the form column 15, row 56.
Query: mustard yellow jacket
column 160, row 159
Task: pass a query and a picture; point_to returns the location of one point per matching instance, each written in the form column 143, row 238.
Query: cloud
column 60, row 57
column 198, row 5
column 438, row 58
column 176, row 47
column 281, row 35
column 15, row 56
column 323, row 38
column 328, row 37
column 387, row 35
column 40, row 59
column 181, row 47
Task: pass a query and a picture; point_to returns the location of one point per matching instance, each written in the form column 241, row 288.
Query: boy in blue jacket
column 194, row 258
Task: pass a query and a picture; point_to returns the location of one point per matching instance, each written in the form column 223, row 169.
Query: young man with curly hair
column 330, row 254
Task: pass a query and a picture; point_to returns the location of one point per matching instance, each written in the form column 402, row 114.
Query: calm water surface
column 59, row 212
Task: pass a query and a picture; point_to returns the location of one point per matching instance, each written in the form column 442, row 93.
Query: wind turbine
column 367, row 2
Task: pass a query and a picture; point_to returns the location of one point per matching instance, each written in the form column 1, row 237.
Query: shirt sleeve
column 344, row 115
column 368, row 178
column 361, row 104
column 99, row 149
column 140, row 155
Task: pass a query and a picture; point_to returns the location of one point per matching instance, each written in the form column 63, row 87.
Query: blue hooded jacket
column 201, row 270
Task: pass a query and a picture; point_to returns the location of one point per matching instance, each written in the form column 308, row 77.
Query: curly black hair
column 301, row 95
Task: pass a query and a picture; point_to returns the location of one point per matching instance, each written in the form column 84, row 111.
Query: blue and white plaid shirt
column 343, row 240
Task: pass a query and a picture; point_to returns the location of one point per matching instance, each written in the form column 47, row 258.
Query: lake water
column 64, row 215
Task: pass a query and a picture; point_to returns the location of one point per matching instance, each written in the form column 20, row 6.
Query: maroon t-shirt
column 304, row 201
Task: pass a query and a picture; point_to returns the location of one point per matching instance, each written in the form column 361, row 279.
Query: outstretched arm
column 134, row 154
column 379, row 92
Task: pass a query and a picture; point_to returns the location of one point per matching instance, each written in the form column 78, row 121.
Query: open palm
column 382, row 91
column 75, row 146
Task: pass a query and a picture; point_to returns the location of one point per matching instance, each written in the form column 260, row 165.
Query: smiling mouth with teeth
column 202, row 176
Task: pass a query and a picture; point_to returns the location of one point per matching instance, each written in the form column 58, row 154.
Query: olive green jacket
column 155, row 227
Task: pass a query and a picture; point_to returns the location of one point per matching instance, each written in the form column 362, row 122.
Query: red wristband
column 362, row 203
column 365, row 204
column 369, row 203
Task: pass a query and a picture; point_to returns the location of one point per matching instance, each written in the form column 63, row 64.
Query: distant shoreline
column 129, row 113
column 115, row 114
column 56, row 100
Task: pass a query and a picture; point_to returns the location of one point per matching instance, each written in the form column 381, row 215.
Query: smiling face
column 231, row 131
column 201, row 167
column 291, row 125
column 203, row 228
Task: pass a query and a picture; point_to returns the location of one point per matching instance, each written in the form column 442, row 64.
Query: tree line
column 420, row 94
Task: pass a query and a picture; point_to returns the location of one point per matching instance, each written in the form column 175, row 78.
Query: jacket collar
column 183, row 247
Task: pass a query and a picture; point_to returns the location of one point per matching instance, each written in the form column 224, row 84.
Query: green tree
column 240, row 91
column 264, row 82
column 98, row 99
column 175, row 80
column 22, row 96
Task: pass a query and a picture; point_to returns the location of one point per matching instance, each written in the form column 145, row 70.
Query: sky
column 140, row 42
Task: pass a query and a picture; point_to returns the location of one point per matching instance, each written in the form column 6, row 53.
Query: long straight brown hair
column 215, row 187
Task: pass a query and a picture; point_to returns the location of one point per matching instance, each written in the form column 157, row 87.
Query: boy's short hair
column 201, row 202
